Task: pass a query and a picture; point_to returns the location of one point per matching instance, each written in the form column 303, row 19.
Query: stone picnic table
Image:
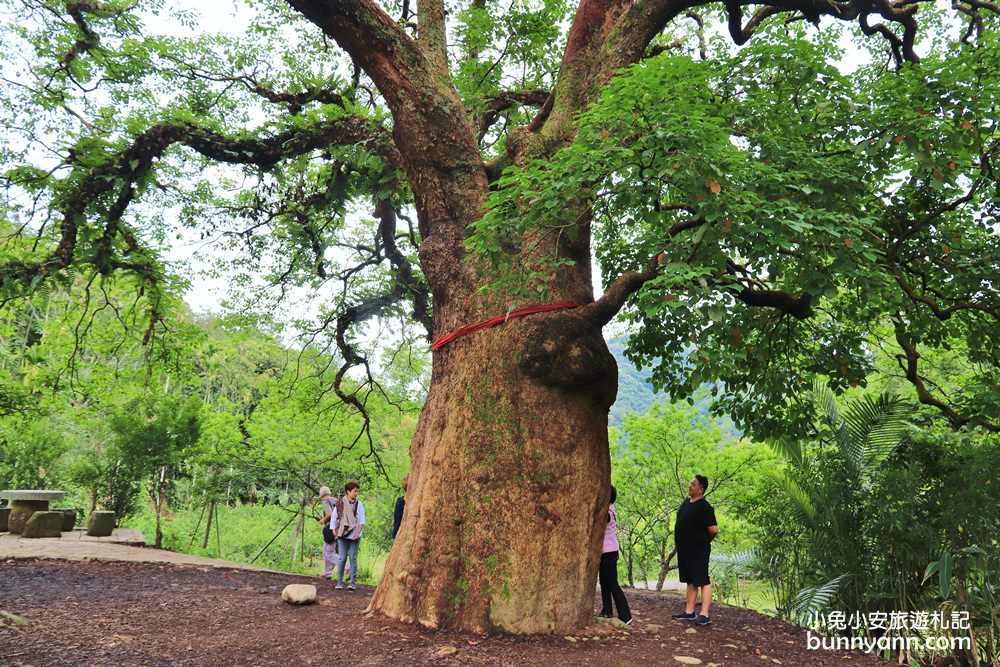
column 24, row 503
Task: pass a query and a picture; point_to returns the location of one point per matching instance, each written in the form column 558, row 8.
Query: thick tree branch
column 402, row 268
column 607, row 35
column 604, row 309
column 909, row 363
column 506, row 100
column 89, row 40
column 970, row 9
column 432, row 32
column 613, row 300
column 374, row 41
column 129, row 167
column 895, row 43
column 798, row 306
column 741, row 33
column 266, row 152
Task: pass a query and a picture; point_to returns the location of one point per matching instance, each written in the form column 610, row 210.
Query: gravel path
column 111, row 614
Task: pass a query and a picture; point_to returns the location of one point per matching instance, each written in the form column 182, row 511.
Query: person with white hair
column 330, row 558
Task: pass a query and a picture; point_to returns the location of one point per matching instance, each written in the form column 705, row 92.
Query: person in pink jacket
column 608, row 572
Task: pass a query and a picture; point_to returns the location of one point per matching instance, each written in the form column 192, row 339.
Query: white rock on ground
column 299, row 594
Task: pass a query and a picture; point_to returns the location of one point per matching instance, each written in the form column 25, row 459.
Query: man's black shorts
column 692, row 565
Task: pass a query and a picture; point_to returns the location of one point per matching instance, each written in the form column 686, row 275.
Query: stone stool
column 101, row 524
column 24, row 503
column 69, row 518
column 43, row 524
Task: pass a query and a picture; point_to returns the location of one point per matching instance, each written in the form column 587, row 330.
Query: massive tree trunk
column 510, row 468
column 508, row 488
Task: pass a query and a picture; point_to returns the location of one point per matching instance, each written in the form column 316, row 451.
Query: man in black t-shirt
column 694, row 531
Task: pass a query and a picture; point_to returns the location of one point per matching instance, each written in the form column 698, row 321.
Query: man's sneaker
column 339, row 586
column 685, row 616
column 351, row 587
column 628, row 622
column 702, row 620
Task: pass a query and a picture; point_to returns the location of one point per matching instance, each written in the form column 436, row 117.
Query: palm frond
column 875, row 427
column 826, row 401
column 788, row 449
column 811, row 600
column 800, row 497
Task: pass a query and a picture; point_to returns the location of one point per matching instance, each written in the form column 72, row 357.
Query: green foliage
column 215, row 415
column 858, row 198
column 823, row 491
column 859, row 524
column 156, row 431
column 242, row 531
column 493, row 37
column 28, row 452
column 813, row 600
column 655, row 456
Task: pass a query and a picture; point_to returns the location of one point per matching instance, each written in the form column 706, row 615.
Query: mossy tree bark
column 508, row 489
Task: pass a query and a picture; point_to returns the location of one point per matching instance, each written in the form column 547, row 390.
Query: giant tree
column 744, row 206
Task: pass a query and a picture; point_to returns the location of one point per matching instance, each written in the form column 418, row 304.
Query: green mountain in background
column 636, row 394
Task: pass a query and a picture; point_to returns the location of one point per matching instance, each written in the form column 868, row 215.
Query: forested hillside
column 636, row 394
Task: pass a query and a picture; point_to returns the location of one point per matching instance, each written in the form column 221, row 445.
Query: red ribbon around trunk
column 500, row 319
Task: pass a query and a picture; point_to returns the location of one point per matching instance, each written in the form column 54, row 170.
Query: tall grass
column 242, row 532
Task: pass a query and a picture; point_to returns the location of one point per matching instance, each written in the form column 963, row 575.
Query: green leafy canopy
column 866, row 200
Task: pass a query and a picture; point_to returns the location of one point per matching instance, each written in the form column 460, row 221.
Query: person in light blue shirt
column 348, row 523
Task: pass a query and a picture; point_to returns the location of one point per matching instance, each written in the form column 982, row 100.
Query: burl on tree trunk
column 508, row 488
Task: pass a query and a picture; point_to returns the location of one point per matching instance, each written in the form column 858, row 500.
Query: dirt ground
column 112, row 613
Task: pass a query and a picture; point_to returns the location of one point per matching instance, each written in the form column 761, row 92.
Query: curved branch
column 402, row 267
column 940, row 312
column 374, row 41
column 501, row 102
column 700, row 31
column 908, row 362
column 613, row 300
column 798, row 306
column 294, row 101
column 741, row 33
column 351, row 316
column 90, row 39
column 604, row 309
column 132, row 164
column 895, row 43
